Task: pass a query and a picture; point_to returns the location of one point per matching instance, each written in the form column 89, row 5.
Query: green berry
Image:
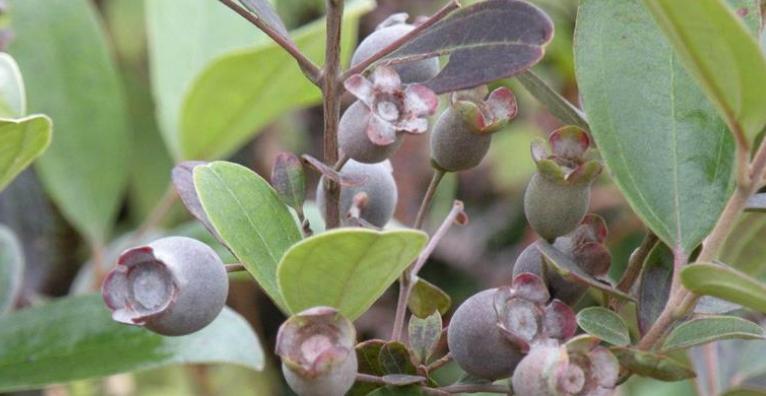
column 353, row 139
column 379, row 185
column 531, row 260
column 476, row 342
column 554, row 209
column 454, row 145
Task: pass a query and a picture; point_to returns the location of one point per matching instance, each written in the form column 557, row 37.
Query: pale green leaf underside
column 604, row 324
column 725, row 283
column 238, row 94
column 75, row 338
column 11, row 268
column 665, row 145
column 704, row 330
column 348, row 268
column 248, row 214
column 745, row 249
column 62, row 51
column 21, row 141
column 13, row 96
column 725, row 60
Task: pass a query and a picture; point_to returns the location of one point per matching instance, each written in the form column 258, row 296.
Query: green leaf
column 569, row 270
column 13, row 96
column 21, row 142
column 238, row 94
column 701, row 331
column 395, row 358
column 388, row 390
column 424, row 335
column 744, row 249
column 62, row 50
column 75, row 338
column 348, row 269
column 725, row 61
column 289, row 180
column 654, row 288
column 653, row 365
column 426, row 298
column 663, row 142
column 726, row 283
column 604, row 324
column 184, row 36
column 11, row 269
column 561, row 108
column 248, row 214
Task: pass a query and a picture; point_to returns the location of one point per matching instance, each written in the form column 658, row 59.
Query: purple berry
column 173, row 286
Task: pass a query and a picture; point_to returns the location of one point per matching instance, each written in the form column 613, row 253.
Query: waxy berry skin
column 531, row 260
column 454, row 146
column 554, row 209
column 172, row 286
column 418, row 71
column 353, row 139
column 379, row 186
column 475, row 341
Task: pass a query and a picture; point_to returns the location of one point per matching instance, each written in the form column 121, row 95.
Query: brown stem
column 426, row 203
column 363, row 65
column 470, row 388
column 372, row 379
column 332, row 90
column 236, row 267
column 636, row 262
column 441, row 362
column 341, row 162
column 307, row 66
column 408, row 277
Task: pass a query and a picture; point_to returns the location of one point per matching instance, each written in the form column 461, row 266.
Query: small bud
column 173, row 286
column 317, row 351
column 563, row 160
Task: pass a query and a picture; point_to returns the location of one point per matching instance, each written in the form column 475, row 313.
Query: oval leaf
column 725, row 283
column 85, row 169
column 426, row 298
column 701, row 331
column 663, row 142
column 75, row 338
column 604, row 324
column 725, row 61
column 11, row 269
column 572, row 272
column 653, row 365
column 238, row 94
column 654, row 289
column 507, row 37
column 395, row 358
column 264, row 10
column 424, row 335
column 348, row 269
column 556, row 104
column 249, row 216
column 23, row 141
column 744, row 249
column 13, row 96
column 289, row 180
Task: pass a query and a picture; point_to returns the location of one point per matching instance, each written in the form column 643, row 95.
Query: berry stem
column 308, row 67
column 426, row 203
column 236, row 267
column 331, row 89
column 467, row 388
column 438, row 16
column 682, row 301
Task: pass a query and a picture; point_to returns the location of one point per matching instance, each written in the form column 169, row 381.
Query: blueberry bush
column 245, row 176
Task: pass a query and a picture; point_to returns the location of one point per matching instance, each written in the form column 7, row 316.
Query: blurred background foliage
column 134, row 86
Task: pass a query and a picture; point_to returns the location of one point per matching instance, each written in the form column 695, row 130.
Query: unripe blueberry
column 389, row 31
column 379, row 186
column 462, row 135
column 531, row 260
column 475, row 341
column 353, row 139
column 317, row 351
column 172, row 286
column 535, row 374
column 554, row 209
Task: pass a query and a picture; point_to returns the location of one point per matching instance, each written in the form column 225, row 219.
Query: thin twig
column 331, row 90
column 471, row 388
column 439, row 363
column 341, row 162
column 372, row 379
column 426, row 203
column 438, row 16
column 237, row 267
column 307, row 66
column 407, row 279
column 636, row 262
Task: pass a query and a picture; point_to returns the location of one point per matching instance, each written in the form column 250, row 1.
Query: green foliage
column 11, row 269
column 653, row 365
column 424, row 335
column 218, row 116
column 63, row 52
column 248, row 214
column 714, row 328
column 24, row 140
column 725, row 61
column 75, row 338
column 347, row 268
column 654, row 289
column 566, row 112
column 604, row 324
column 726, row 283
column 744, row 249
column 663, row 142
column 426, row 298
column 13, row 96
